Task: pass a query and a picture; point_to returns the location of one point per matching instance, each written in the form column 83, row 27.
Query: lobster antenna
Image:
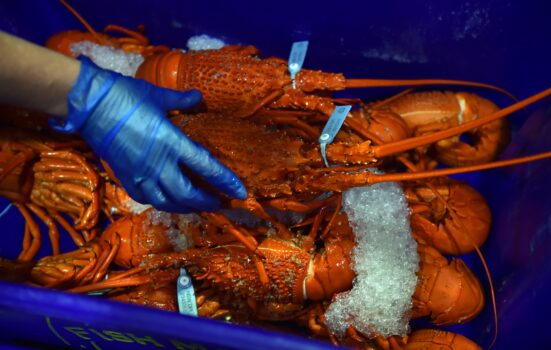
column 492, row 291
column 100, row 271
column 133, row 35
column 408, row 144
column 109, row 283
column 378, row 178
column 391, row 98
column 367, row 83
column 84, row 23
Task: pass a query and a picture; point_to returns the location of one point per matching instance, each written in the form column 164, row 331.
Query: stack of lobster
column 266, row 131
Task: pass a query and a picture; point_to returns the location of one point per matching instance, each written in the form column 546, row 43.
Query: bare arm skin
column 35, row 77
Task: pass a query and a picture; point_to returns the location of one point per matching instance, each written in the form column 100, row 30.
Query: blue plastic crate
column 505, row 43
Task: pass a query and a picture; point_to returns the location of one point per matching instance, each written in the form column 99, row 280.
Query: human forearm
column 34, row 77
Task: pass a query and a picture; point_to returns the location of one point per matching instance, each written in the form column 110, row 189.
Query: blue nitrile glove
column 123, row 120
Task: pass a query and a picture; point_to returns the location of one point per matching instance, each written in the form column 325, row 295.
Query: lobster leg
column 66, row 179
column 89, row 235
column 286, row 118
column 117, row 201
column 298, row 207
column 27, row 237
column 81, row 266
column 53, row 231
column 241, row 235
column 70, row 229
column 105, row 261
column 338, row 181
column 297, row 99
column 30, row 250
column 209, row 306
column 308, row 242
column 316, row 323
column 252, row 205
column 130, row 278
column 111, row 283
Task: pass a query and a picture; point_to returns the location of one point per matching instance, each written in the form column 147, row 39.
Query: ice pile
column 385, row 261
column 204, row 42
column 108, row 57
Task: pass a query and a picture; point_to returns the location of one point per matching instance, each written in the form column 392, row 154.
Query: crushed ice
column 107, row 57
column 385, row 261
column 204, row 42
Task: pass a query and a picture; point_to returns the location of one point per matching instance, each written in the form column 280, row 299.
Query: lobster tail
column 487, row 141
column 453, row 219
column 438, row 339
column 331, row 272
column 433, row 295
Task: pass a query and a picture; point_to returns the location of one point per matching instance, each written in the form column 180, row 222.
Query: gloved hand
column 123, row 120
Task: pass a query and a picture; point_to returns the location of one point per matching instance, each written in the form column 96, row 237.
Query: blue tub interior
column 506, row 43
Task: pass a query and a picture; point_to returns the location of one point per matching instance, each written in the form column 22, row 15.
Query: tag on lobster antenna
column 296, row 59
column 101, row 291
column 332, row 128
column 187, row 304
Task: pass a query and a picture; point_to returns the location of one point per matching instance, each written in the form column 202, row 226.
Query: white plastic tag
column 296, row 58
column 6, row 209
column 187, row 304
column 332, row 127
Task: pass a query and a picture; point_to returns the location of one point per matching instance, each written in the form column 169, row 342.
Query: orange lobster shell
column 427, row 339
column 431, row 111
column 447, row 291
column 139, row 237
column 233, row 80
column 454, row 220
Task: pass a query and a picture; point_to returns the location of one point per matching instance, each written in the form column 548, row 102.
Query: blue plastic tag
column 296, row 58
column 332, row 127
column 102, row 291
column 187, row 304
